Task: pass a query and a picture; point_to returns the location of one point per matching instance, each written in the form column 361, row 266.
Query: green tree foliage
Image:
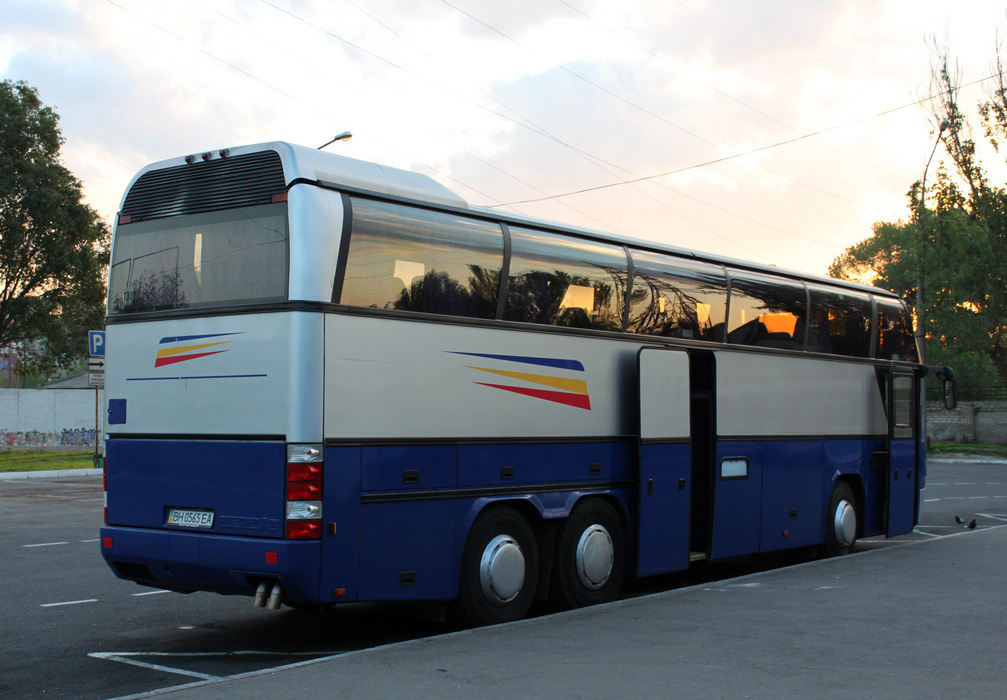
column 955, row 243
column 53, row 247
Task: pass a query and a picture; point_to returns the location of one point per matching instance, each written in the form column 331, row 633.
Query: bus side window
column 839, row 322
column 677, row 298
column 766, row 311
column 895, row 332
column 564, row 281
column 411, row 259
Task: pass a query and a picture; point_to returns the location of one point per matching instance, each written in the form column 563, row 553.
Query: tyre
column 499, row 569
column 590, row 557
column 840, row 521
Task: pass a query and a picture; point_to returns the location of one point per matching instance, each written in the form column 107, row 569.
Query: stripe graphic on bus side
column 572, row 392
column 171, row 355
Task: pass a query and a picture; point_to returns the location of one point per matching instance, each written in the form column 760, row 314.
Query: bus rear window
column 237, row 256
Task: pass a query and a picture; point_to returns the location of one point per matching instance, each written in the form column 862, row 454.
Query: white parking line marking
column 127, row 657
column 137, row 595
column 68, row 602
column 44, row 544
column 123, row 657
column 86, row 541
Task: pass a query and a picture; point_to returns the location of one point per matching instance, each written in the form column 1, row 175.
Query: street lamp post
column 345, row 136
column 921, row 333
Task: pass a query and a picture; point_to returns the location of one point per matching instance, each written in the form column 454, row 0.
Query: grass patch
column 963, row 448
column 42, row 460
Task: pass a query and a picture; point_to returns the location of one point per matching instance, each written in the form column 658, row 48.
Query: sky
column 777, row 131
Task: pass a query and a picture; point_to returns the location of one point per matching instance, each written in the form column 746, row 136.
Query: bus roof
column 301, row 163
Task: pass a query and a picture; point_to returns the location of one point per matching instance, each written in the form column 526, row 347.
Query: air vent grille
column 220, row 183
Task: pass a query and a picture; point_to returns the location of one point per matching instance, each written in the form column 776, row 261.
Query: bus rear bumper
column 184, row 561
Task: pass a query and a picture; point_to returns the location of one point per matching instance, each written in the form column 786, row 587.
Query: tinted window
column 416, row 260
column 223, row 257
column 677, row 298
column 565, row 281
column 902, row 407
column 766, row 311
column 839, row 322
column 895, row 332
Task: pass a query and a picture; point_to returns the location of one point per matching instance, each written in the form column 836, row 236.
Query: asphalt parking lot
column 923, row 619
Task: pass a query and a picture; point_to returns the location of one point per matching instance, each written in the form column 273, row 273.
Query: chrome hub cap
column 845, row 523
column 595, row 557
column 501, row 569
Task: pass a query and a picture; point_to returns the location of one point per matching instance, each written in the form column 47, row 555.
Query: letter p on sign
column 96, row 343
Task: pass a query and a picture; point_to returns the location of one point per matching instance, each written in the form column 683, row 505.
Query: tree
column 957, row 248
column 53, row 247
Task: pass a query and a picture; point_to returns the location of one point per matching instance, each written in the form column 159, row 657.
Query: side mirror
column 950, row 385
column 950, row 391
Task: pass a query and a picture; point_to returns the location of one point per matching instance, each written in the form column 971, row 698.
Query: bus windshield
column 210, row 259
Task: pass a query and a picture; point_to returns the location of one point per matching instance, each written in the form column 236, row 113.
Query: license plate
column 188, row 517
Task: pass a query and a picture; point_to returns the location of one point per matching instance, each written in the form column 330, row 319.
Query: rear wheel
column 591, row 556
column 841, row 521
column 499, row 569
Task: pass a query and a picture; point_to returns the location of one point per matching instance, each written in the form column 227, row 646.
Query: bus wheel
column 591, row 556
column 841, row 521
column 499, row 569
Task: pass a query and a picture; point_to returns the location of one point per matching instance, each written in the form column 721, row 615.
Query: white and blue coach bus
column 334, row 381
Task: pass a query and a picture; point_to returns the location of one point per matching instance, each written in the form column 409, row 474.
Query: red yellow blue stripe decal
column 174, row 352
column 566, row 390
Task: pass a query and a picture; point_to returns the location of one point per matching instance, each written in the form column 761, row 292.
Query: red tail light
column 104, row 489
column 305, row 474
column 304, row 529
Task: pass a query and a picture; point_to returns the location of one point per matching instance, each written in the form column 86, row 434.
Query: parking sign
column 96, row 343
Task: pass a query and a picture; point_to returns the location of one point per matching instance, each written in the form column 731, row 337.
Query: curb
column 49, row 474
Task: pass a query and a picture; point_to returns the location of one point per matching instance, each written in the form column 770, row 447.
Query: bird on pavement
column 970, row 526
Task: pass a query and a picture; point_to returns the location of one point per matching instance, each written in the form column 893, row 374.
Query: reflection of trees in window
column 563, row 299
column 672, row 310
column 150, row 292
column 438, row 293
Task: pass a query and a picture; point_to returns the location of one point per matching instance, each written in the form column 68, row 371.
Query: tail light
column 104, row 489
column 304, row 492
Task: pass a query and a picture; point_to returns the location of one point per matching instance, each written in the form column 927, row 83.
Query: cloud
column 623, row 90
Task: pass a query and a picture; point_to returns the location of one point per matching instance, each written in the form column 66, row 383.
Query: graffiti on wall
column 69, row 437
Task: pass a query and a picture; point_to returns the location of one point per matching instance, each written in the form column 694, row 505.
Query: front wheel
column 591, row 556
column 841, row 521
column 499, row 569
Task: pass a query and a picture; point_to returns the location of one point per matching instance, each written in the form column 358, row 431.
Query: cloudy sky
column 776, row 131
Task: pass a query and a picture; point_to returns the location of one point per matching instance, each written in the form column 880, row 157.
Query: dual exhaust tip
column 268, row 595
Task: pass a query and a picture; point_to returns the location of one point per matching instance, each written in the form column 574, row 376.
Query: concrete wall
column 973, row 421
column 62, row 419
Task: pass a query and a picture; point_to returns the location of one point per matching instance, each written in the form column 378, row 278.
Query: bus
column 333, row 381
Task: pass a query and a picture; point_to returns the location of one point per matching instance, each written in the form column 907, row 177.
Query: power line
column 735, row 156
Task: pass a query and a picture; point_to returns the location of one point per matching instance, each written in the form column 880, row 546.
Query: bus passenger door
column 903, row 469
column 665, row 467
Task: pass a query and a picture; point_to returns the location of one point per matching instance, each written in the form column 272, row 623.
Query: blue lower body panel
column 196, row 561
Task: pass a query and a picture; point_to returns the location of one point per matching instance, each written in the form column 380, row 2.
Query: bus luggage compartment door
column 665, row 465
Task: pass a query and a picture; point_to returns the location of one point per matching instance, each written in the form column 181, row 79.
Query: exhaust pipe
column 274, row 597
column 260, row 595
